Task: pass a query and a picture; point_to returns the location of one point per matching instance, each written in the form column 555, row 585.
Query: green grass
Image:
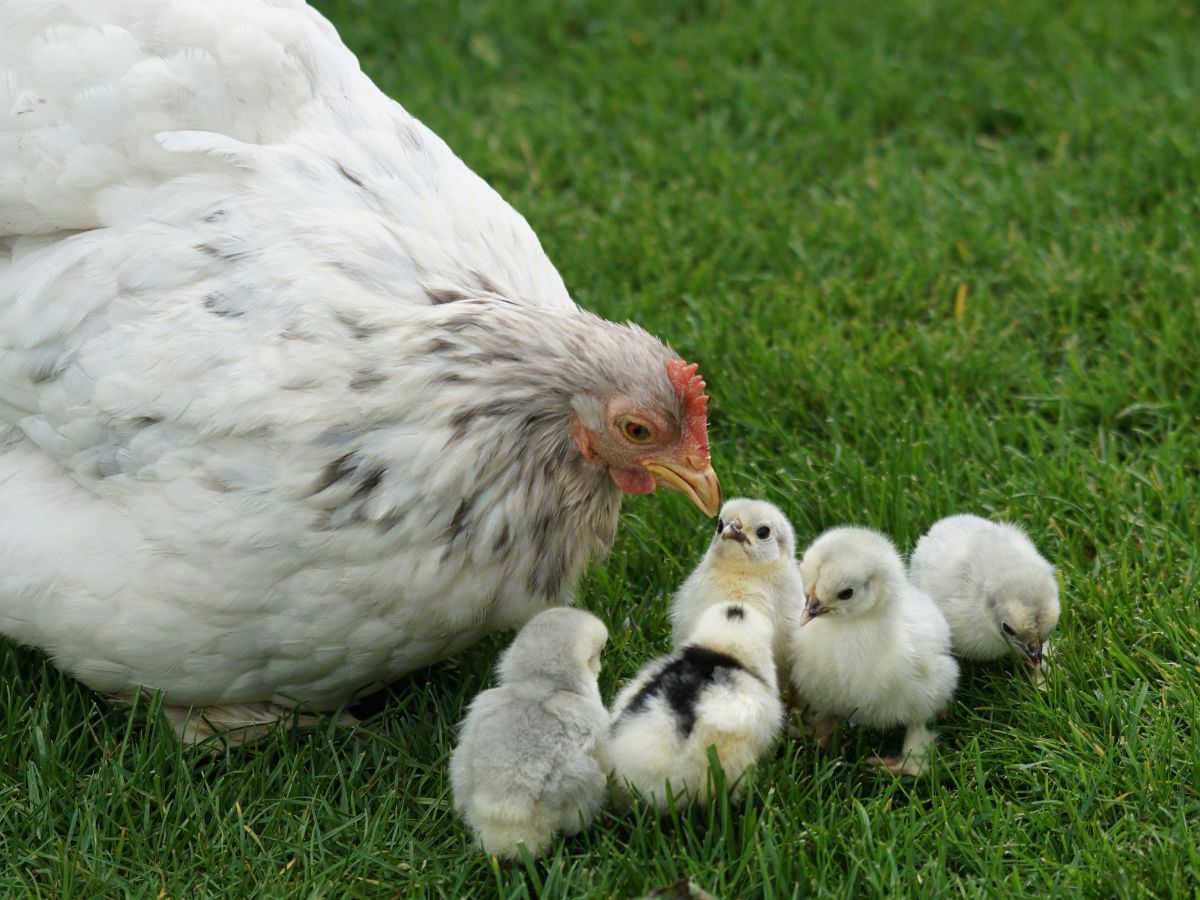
column 933, row 257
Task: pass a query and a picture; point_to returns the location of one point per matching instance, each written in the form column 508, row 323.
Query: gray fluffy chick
column 525, row 769
column 997, row 592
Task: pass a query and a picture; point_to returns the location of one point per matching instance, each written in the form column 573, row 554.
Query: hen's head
column 654, row 437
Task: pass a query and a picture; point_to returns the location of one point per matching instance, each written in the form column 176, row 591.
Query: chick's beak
column 696, row 480
column 733, row 532
column 812, row 609
column 1034, row 653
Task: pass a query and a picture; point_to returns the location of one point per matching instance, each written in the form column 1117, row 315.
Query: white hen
column 997, row 592
column 291, row 402
column 870, row 648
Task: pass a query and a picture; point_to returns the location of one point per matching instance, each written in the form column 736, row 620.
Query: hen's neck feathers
column 509, row 483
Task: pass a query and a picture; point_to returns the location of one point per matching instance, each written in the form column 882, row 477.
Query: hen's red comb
column 689, row 387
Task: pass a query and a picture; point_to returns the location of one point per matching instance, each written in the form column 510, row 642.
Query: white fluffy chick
column 870, row 647
column 997, row 592
column 751, row 560
column 525, row 766
column 718, row 690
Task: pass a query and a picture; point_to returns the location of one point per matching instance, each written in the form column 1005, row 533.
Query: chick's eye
column 1008, row 629
column 763, row 532
column 845, row 593
column 720, row 524
column 638, row 432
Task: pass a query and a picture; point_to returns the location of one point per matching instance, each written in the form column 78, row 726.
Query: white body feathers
column 271, row 360
column 525, row 767
column 718, row 690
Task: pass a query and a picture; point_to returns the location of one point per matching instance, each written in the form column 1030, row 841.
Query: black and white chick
column 870, row 648
column 717, row 690
column 751, row 560
column 997, row 592
column 525, row 768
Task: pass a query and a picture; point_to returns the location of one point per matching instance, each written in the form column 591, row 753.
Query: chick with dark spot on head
column 718, row 690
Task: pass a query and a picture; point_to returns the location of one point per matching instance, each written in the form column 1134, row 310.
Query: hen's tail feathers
column 238, row 724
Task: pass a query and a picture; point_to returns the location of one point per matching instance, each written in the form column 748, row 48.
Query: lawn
column 932, row 257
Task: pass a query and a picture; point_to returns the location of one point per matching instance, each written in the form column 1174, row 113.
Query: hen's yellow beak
column 700, row 485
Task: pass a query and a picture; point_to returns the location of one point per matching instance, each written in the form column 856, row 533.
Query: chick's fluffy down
column 999, row 595
column 719, row 690
column 870, row 648
column 750, row 560
column 525, row 770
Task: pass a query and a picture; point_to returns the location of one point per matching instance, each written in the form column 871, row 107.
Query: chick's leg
column 820, row 726
column 914, row 758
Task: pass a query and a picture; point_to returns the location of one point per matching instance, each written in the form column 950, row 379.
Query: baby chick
column 751, row 560
column 870, row 647
column 525, row 769
column 717, row 690
column 995, row 589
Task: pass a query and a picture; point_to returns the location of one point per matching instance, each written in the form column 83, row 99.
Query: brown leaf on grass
column 960, row 301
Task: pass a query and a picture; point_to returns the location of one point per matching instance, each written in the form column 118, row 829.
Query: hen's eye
column 636, row 431
column 763, row 532
column 845, row 593
column 1008, row 629
column 720, row 525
